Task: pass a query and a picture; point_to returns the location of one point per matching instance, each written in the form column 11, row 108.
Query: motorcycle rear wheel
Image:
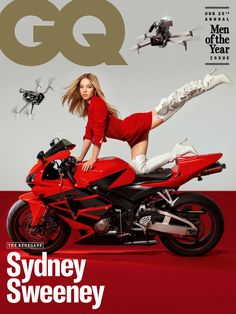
column 54, row 233
column 210, row 225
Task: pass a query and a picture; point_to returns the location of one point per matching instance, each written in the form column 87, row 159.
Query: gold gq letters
column 103, row 48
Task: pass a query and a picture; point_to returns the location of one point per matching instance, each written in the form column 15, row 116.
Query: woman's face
column 86, row 89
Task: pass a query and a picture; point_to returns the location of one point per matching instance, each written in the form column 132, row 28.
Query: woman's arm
column 89, row 164
column 95, row 130
column 85, row 148
column 98, row 120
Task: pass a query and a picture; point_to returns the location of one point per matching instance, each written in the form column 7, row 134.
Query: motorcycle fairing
column 108, row 180
column 81, row 213
column 82, row 192
column 62, row 145
column 37, row 207
column 187, row 168
column 108, row 172
column 40, row 165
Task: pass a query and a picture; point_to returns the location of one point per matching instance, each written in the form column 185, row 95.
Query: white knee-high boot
column 171, row 104
column 142, row 165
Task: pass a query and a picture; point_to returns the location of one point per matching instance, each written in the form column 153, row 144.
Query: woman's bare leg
column 139, row 148
column 141, row 164
column 155, row 120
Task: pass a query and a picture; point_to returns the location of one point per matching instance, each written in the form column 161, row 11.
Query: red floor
column 144, row 279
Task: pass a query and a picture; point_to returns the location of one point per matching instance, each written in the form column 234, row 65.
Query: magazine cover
column 117, row 156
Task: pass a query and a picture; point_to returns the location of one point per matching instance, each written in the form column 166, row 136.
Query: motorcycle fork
column 37, row 207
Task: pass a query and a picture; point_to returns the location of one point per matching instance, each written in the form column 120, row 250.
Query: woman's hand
column 88, row 165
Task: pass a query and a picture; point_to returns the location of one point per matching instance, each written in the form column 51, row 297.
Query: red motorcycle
column 111, row 203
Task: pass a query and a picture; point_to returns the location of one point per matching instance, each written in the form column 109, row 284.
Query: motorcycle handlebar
column 67, row 166
column 70, row 176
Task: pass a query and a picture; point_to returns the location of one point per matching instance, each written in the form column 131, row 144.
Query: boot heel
column 185, row 140
column 215, row 69
column 181, row 150
column 211, row 81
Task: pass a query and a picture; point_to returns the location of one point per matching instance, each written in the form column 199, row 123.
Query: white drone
column 32, row 98
column 162, row 36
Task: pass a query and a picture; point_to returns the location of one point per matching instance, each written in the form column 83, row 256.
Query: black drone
column 32, row 98
column 162, row 36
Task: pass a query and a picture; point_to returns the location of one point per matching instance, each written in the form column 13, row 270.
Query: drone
column 162, row 36
column 33, row 98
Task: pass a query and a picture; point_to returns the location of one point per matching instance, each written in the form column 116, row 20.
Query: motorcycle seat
column 161, row 174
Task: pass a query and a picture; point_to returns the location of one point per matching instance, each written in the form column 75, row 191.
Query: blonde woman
column 86, row 98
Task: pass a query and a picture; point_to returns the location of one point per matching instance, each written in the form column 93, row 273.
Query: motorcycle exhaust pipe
column 110, row 233
column 149, row 242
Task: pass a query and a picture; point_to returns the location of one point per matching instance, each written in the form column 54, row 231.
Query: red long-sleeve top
column 101, row 124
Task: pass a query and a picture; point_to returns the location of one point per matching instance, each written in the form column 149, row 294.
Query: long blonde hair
column 76, row 103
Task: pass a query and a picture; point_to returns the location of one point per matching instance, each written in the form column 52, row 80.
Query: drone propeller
column 29, row 114
column 195, row 38
column 189, row 33
column 14, row 110
column 38, row 86
column 50, row 81
column 197, row 28
column 184, row 34
column 173, row 39
column 142, row 37
column 137, row 47
column 181, row 42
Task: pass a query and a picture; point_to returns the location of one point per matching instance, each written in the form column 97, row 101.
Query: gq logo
column 59, row 37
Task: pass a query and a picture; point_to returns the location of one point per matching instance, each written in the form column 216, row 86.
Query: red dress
column 102, row 124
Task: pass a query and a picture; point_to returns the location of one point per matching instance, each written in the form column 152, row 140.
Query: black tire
column 189, row 246
column 20, row 230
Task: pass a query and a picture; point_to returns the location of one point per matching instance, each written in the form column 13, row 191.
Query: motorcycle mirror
column 40, row 155
column 54, row 141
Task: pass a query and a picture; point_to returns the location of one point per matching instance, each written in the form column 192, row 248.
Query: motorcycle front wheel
column 52, row 234
column 205, row 214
